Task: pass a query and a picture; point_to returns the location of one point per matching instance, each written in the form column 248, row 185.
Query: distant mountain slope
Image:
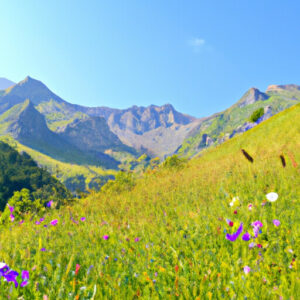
column 5, row 83
column 25, row 124
column 157, row 130
column 81, row 138
column 236, row 119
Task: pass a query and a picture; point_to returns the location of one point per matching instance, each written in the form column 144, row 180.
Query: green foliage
column 124, row 181
column 174, row 162
column 23, row 203
column 257, row 114
column 19, row 171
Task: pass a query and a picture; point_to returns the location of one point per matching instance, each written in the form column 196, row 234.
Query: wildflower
column 259, row 246
column 235, row 212
column 235, row 202
column 42, row 220
column 176, row 268
column 49, row 204
column 77, row 269
column 272, row 197
column 21, row 222
column 54, row 222
column 276, row 223
column 11, row 208
column 246, row 236
column 11, row 276
column 234, row 236
column 37, row 223
column 250, row 206
column 25, row 277
column 105, row 237
column 256, row 227
column 136, row 239
column 82, row 219
column 247, row 270
column 3, row 268
column 12, row 217
column 43, row 249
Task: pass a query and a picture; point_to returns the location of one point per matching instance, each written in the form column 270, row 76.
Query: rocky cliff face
column 251, row 96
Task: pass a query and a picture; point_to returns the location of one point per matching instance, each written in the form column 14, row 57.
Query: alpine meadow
column 152, row 153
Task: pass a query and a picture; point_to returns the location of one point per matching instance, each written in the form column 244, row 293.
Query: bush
column 23, row 203
column 174, row 162
column 257, row 114
column 124, row 181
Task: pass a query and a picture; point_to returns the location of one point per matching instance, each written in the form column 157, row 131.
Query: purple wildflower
column 247, row 270
column 11, row 276
column 42, row 219
column 105, row 237
column 256, row 227
column 37, row 223
column 3, row 268
column 12, row 217
column 246, row 236
column 49, row 204
column 11, row 208
column 54, row 222
column 137, row 239
column 82, row 219
column 43, row 249
column 234, row 236
column 25, row 277
column 251, row 245
column 276, row 223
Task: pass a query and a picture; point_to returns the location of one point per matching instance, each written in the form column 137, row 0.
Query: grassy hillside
column 164, row 236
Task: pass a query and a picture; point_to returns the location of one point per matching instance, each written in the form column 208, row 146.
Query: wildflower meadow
column 216, row 227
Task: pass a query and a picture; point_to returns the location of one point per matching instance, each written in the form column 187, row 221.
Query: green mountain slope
column 18, row 171
column 164, row 235
column 25, row 124
column 222, row 126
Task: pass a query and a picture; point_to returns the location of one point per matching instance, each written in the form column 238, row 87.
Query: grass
column 167, row 233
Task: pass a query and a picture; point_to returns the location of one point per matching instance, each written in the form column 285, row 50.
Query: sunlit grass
column 167, row 234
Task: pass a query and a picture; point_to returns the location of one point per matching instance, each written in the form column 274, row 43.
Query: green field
column 163, row 236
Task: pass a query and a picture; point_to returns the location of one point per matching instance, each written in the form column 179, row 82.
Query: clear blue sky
column 200, row 56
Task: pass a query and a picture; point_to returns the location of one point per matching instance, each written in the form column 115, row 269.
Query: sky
column 200, row 56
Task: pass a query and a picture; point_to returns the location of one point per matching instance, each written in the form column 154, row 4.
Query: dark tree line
column 18, row 171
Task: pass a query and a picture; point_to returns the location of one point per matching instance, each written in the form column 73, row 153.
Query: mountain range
column 37, row 118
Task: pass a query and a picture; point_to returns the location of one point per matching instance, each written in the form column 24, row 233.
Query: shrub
column 174, row 162
column 257, row 114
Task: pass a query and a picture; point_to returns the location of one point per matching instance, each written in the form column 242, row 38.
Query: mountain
column 156, row 130
column 25, row 124
column 5, row 83
column 103, row 137
column 49, row 123
column 237, row 119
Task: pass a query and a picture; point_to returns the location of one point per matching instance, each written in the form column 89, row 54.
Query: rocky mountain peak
column 285, row 87
column 251, row 96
